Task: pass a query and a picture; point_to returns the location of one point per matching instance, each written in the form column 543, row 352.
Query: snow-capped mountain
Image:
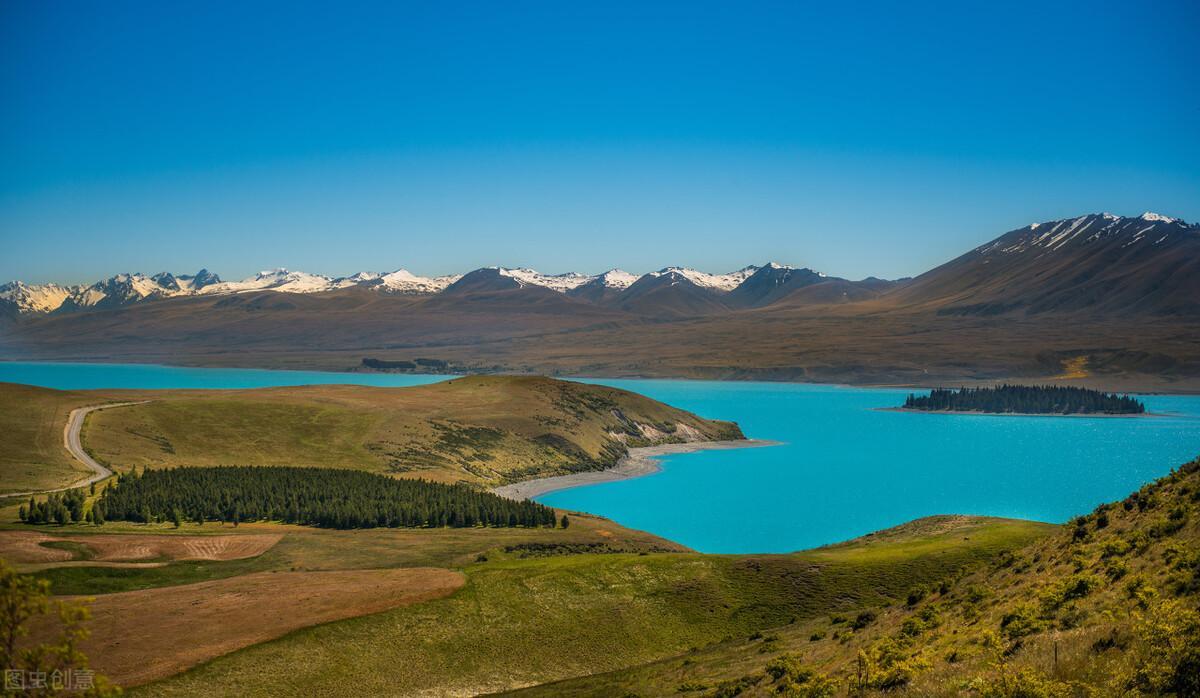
column 34, row 299
column 405, row 282
column 616, row 278
column 603, row 286
column 280, row 280
column 556, row 282
column 1148, row 264
column 118, row 290
column 771, row 282
column 125, row 289
column 1090, row 228
column 719, row 282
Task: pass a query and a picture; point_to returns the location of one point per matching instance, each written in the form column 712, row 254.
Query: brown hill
column 669, row 294
column 1097, row 263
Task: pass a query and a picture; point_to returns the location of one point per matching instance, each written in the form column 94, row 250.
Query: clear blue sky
column 881, row 138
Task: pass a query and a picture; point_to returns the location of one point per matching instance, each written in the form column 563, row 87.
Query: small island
column 1025, row 399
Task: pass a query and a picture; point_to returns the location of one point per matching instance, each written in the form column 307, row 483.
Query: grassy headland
column 486, row 430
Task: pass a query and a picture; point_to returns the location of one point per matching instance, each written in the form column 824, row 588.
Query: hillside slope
column 32, row 456
column 1108, row 605
column 1098, row 263
column 485, row 429
column 536, row 613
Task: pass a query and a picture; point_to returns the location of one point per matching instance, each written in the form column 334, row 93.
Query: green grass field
column 31, row 429
column 526, row 621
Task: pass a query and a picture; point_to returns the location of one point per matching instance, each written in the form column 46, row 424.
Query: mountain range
column 1118, row 295
column 125, row 289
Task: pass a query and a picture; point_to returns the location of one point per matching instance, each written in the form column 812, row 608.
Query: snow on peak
column 557, row 282
column 275, row 280
column 1055, row 235
column 719, row 282
column 404, row 281
column 616, row 278
column 35, row 299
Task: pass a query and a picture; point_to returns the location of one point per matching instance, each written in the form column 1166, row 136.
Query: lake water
column 845, row 467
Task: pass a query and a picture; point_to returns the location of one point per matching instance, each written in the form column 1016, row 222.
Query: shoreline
column 1146, row 389
column 1093, row 415
column 639, row 462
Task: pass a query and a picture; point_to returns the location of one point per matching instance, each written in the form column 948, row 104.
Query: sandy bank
column 639, row 462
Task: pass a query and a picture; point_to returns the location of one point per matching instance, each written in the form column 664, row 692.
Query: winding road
column 75, row 448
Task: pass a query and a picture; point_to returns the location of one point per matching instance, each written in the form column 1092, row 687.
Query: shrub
column 1020, row 622
column 887, row 665
column 863, row 619
column 1166, row 652
column 1115, row 547
column 1021, row 683
column 1074, row 587
column 735, row 687
column 793, row 678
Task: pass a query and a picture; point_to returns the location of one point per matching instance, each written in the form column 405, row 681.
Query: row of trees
column 61, row 508
column 1029, row 399
column 323, row 497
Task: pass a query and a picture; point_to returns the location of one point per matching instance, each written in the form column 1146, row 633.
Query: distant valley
column 1096, row 297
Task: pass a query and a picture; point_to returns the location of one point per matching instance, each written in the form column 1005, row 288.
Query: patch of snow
column 404, row 281
column 616, row 278
column 556, row 282
column 719, row 282
column 1155, row 217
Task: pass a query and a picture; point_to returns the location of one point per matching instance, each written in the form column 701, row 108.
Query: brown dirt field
column 135, row 547
column 20, row 547
column 39, row 566
column 140, row 636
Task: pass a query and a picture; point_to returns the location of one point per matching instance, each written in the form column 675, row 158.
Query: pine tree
column 565, row 521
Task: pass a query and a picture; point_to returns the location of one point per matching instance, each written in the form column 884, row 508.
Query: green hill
column 1105, row 606
column 488, row 430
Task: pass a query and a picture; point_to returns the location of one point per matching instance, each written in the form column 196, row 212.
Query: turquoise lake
column 845, row 468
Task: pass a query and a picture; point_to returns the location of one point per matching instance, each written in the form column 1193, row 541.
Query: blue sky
column 881, row 138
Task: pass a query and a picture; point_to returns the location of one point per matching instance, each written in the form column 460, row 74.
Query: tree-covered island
column 1025, row 399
